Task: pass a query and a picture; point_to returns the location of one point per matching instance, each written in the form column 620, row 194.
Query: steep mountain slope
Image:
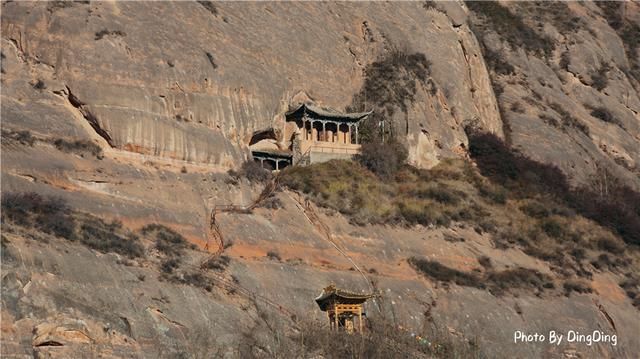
column 135, row 111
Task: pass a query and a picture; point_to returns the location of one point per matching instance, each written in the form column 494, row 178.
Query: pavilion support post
column 277, row 163
column 360, row 319
column 357, row 142
column 314, row 131
column 304, row 128
column 324, row 131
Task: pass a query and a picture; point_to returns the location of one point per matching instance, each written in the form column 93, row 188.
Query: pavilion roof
column 272, row 152
column 331, row 294
column 328, row 112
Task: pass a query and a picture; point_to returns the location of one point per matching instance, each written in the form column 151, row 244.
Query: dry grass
column 516, row 215
column 53, row 216
column 271, row 338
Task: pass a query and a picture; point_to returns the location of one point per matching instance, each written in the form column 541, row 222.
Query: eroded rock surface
column 172, row 93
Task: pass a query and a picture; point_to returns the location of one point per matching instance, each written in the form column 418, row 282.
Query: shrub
column 52, row 215
column 485, row 262
column 168, row 265
column 104, row 32
column 611, row 245
column 211, row 60
column 576, row 285
column 441, row 194
column 6, row 254
column 210, row 7
column 24, row 137
column 252, row 171
column 271, row 203
column 568, row 120
column 59, row 224
column 518, row 278
column 103, row 237
column 48, row 214
column 511, row 27
column 196, row 279
column 437, row 271
column 390, row 84
column 274, row 256
column 604, row 115
column 80, row 147
column 535, row 209
column 497, row 282
column 495, row 61
column 517, row 107
column 552, row 228
column 381, row 339
column 39, row 85
column 607, row 262
column 219, row 263
column 631, row 286
column 600, row 80
column 168, row 241
column 620, row 210
column 628, row 31
column 383, row 159
column 494, row 193
column 565, row 60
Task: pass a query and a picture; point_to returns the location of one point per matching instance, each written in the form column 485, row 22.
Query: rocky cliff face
column 172, row 92
column 191, row 82
column 568, row 92
column 195, row 85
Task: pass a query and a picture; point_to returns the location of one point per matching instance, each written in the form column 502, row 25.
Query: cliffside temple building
column 311, row 134
column 343, row 307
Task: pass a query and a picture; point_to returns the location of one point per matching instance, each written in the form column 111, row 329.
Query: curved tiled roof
column 339, row 295
column 328, row 112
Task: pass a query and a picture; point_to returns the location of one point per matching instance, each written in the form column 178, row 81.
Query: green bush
column 383, row 159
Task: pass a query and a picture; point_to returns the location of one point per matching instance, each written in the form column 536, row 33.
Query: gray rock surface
column 160, row 103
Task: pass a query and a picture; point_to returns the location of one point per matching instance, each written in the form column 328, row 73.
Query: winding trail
column 215, row 234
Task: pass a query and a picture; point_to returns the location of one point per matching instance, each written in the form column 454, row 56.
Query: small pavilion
column 310, row 134
column 343, row 307
column 320, row 124
column 272, row 160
